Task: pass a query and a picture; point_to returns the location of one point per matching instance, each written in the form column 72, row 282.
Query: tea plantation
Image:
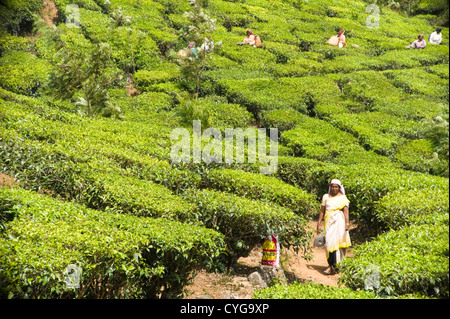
column 91, row 92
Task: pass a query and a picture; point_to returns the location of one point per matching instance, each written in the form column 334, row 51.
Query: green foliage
column 438, row 134
column 17, row 16
column 414, row 207
column 119, row 255
column 417, row 155
column 318, row 139
column 379, row 131
column 413, row 259
column 245, row 222
column 130, row 195
column 91, row 72
column 23, row 73
column 419, row 81
column 376, row 117
column 310, row 291
column 369, row 88
column 261, row 187
column 144, row 78
column 214, row 112
column 282, row 119
column 13, row 43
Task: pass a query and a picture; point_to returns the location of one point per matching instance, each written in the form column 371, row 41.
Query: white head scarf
column 337, row 182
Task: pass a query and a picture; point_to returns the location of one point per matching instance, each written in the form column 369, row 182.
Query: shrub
column 261, row 94
column 282, row 119
column 257, row 58
column 12, row 43
column 245, row 222
column 310, row 291
column 145, row 79
column 177, row 179
column 418, row 81
column 119, row 255
column 96, row 25
column 318, row 139
column 369, row 87
column 416, row 155
column 261, row 187
column 414, row 108
column 441, row 70
column 367, row 183
column 17, row 17
column 133, row 49
column 23, row 73
column 130, row 195
column 298, row 171
column 413, row 207
column 214, row 112
column 411, row 260
column 379, row 131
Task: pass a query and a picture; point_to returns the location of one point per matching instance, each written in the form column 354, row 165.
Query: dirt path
column 49, row 12
column 235, row 285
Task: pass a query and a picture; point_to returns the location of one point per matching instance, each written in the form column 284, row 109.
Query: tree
column 198, row 31
column 90, row 72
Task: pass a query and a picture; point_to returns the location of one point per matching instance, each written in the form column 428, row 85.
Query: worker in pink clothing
column 341, row 38
column 250, row 38
column 420, row 43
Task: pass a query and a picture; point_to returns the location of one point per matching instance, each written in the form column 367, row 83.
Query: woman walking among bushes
column 336, row 224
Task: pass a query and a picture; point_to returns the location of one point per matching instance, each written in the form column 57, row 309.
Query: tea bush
column 214, row 112
column 119, row 255
column 318, row 139
column 130, row 195
column 365, row 185
column 23, row 73
column 417, row 155
column 268, row 94
column 413, row 207
column 358, row 114
column 411, row 260
column 282, row 119
column 379, row 131
column 369, row 87
column 144, row 79
column 261, row 187
column 310, row 291
column 245, row 222
column 418, row 81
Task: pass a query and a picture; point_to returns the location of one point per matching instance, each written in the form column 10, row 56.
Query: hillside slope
column 373, row 114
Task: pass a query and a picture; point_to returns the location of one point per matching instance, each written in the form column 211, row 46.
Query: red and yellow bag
column 271, row 251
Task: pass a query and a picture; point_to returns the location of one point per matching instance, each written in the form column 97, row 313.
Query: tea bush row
column 119, row 255
column 262, row 187
column 310, row 290
column 413, row 207
column 246, row 222
column 410, row 260
column 366, row 187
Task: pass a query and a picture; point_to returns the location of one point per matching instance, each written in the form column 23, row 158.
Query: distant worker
column 250, row 38
column 420, row 43
column 436, row 37
column 338, row 40
column 191, row 50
